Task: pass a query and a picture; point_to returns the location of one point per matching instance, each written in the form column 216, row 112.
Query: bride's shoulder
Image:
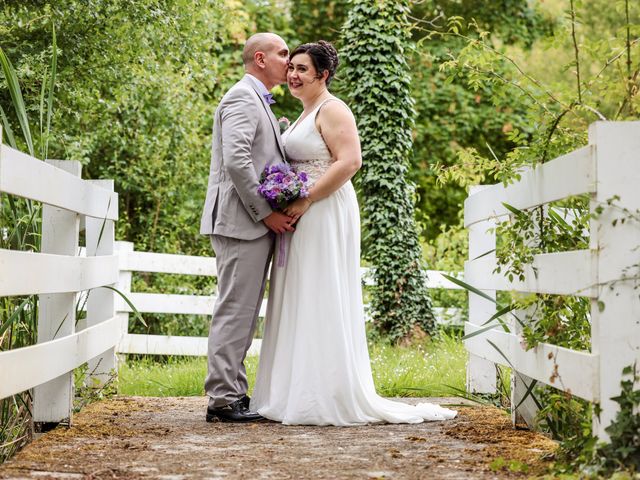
column 335, row 109
column 335, row 103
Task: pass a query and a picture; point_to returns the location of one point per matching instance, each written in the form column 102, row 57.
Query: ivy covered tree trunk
column 377, row 79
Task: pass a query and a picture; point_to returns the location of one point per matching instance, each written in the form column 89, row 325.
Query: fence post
column 527, row 410
column 124, row 285
column 481, row 373
column 53, row 401
column 100, row 240
column 615, row 314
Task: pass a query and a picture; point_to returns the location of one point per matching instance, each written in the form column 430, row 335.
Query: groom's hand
column 278, row 222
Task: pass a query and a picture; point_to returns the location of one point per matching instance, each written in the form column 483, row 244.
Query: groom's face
column 276, row 59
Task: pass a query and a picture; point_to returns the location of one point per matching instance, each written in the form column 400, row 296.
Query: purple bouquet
column 281, row 184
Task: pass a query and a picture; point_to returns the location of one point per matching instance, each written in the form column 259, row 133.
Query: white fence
column 607, row 273
column 132, row 261
column 607, row 168
column 56, row 275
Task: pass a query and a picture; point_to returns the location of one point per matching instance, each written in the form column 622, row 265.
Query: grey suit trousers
column 242, row 272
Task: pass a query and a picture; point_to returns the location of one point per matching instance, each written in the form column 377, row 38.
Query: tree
column 375, row 39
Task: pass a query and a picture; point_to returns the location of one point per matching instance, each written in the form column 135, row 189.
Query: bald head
column 266, row 57
column 259, row 42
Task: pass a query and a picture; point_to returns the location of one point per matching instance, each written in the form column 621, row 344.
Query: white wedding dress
column 314, row 364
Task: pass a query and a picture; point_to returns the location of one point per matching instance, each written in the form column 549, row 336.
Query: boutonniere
column 284, row 123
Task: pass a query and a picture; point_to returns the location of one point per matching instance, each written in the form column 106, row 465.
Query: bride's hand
column 297, row 208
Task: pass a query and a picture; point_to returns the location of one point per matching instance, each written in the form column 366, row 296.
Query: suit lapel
column 272, row 117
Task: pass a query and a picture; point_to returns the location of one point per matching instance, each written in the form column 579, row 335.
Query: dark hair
column 323, row 55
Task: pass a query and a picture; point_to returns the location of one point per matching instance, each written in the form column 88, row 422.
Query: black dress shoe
column 245, row 401
column 234, row 412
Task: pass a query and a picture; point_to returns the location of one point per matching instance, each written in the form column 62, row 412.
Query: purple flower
column 280, row 185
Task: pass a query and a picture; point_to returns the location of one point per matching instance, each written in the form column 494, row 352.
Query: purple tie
column 269, row 98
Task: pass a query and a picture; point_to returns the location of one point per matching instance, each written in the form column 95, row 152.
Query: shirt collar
column 261, row 88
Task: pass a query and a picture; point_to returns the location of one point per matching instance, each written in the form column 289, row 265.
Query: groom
column 246, row 139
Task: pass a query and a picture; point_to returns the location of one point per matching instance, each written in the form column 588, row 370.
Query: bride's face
column 302, row 77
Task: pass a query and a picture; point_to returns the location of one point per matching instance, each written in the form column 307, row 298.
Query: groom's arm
column 239, row 121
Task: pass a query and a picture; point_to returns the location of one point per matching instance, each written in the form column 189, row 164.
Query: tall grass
column 436, row 368
column 432, row 369
column 20, row 227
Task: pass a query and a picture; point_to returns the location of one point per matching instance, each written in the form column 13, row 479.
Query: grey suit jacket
column 246, row 139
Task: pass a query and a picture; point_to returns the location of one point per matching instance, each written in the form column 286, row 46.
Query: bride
column 314, row 364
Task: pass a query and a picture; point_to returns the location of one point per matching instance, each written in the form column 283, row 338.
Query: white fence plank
column 167, row 263
column 563, row 273
column 435, row 279
column 28, row 177
column 167, row 303
column 449, row 316
column 100, row 241
column 568, row 175
column 172, row 304
column 26, row 273
column 160, row 303
column 481, row 373
column 124, row 284
column 171, row 345
column 572, row 371
column 24, row 368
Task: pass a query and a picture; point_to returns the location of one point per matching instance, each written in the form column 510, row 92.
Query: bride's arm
column 338, row 128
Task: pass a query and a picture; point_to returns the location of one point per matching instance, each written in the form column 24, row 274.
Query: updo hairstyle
column 323, row 55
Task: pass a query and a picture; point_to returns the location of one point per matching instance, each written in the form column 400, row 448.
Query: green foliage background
column 134, row 100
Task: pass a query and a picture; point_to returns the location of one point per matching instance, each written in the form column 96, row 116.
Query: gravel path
column 167, row 438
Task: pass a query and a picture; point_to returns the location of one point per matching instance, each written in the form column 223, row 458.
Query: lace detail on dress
column 313, row 168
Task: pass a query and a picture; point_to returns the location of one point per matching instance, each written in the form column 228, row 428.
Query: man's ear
column 258, row 59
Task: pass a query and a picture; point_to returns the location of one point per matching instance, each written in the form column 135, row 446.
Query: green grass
column 425, row 370
column 432, row 369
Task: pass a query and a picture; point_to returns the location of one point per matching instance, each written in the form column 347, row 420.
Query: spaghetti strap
column 313, row 114
column 319, row 107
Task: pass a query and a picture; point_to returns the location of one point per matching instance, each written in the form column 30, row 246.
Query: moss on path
column 167, row 438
